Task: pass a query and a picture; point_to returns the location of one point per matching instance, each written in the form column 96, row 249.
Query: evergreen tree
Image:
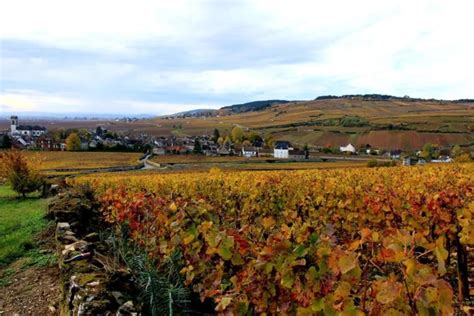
column 6, row 142
column 197, row 147
column 216, row 136
column 306, row 151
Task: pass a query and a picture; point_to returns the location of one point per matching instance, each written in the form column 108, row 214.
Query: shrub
column 23, row 175
column 372, row 163
column 463, row 158
column 375, row 163
column 354, row 121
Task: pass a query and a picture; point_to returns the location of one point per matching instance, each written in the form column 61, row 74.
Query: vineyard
column 383, row 241
column 60, row 160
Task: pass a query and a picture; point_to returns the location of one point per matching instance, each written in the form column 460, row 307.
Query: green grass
column 20, row 220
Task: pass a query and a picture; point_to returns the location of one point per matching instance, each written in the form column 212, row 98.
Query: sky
column 162, row 57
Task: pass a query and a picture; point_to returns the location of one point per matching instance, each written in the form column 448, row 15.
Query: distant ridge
column 256, row 106
column 194, row 113
column 252, row 106
column 384, row 97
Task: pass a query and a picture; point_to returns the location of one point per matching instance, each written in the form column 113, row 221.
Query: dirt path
column 32, row 288
column 33, row 291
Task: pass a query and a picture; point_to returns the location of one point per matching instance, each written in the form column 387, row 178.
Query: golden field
column 57, row 160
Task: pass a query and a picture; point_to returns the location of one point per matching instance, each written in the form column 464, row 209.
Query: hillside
column 390, row 123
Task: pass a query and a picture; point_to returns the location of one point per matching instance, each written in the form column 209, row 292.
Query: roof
column 349, row 147
column 176, row 147
column 30, row 128
column 248, row 148
column 282, row 144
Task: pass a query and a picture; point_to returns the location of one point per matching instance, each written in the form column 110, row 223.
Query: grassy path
column 29, row 277
column 20, row 220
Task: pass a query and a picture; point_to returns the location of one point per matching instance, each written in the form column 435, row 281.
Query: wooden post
column 463, row 277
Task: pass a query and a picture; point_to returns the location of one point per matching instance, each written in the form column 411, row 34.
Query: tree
column 23, row 175
column 73, row 142
column 220, row 140
column 456, row 151
column 6, row 142
column 84, row 134
column 254, row 138
column 58, row 135
column 427, row 151
column 237, row 135
column 216, row 136
column 269, row 141
column 306, row 151
column 197, row 147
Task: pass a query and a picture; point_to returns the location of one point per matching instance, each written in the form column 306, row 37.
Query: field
column 391, row 124
column 183, row 159
column 180, row 163
column 343, row 241
column 57, row 160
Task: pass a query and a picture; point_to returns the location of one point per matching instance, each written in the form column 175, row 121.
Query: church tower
column 14, row 124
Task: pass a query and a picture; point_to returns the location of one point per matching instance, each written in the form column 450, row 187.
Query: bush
column 354, row 121
column 372, row 163
column 463, row 158
column 20, row 173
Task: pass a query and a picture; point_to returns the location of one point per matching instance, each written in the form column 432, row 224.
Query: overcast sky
column 162, row 57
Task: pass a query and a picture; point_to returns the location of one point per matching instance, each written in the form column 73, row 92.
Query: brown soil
column 34, row 291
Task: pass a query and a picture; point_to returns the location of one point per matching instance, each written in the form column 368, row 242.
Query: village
column 240, row 142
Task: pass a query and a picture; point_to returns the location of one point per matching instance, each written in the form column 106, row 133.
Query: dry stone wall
column 89, row 285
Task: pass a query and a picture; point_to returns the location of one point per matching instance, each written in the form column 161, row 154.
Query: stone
column 64, row 215
column 119, row 297
column 80, row 246
column 63, row 226
column 93, row 307
column 127, row 309
column 68, row 239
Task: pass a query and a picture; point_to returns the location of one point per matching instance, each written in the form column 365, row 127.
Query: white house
column 249, row 151
column 282, row 149
column 348, row 149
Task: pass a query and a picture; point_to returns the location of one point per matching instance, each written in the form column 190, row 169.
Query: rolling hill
column 382, row 121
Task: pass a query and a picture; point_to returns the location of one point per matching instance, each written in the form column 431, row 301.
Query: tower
column 14, row 124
